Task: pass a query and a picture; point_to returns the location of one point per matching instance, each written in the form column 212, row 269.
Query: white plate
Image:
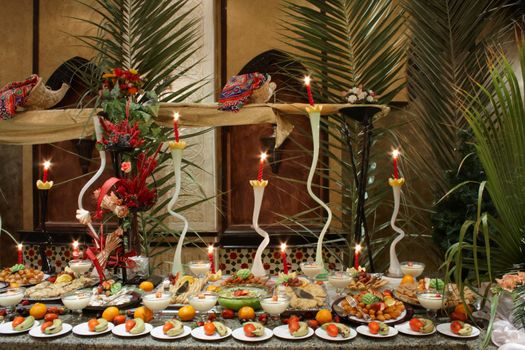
column 401, row 316
column 120, row 330
column 405, row 329
column 444, row 329
column 7, row 328
column 284, row 333
column 321, row 333
column 363, row 330
column 83, row 330
column 198, row 333
column 159, row 334
column 239, row 335
column 37, row 332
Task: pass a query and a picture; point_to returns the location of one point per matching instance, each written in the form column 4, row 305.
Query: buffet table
column 111, row 342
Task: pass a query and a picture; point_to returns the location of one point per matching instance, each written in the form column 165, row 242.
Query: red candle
column 76, row 253
column 283, row 258
column 176, row 117
column 261, row 166
column 212, row 260
column 20, row 254
column 395, row 155
column 309, row 90
column 47, row 164
column 356, row 256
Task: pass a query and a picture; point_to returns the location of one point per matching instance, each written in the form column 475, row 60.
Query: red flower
column 125, row 167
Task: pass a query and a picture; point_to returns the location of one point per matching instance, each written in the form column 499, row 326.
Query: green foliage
column 342, row 44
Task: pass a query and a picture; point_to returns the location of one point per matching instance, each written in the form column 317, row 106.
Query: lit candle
column 283, row 258
column 47, row 164
column 395, row 155
column 356, row 256
column 212, row 260
column 176, row 117
column 76, row 253
column 20, row 254
column 261, row 166
column 308, row 90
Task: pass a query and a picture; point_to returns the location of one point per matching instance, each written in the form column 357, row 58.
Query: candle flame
column 75, row 244
column 358, row 248
column 20, row 246
column 47, row 164
column 307, row 80
column 264, row 155
column 395, row 153
column 210, row 249
column 176, row 116
column 283, row 247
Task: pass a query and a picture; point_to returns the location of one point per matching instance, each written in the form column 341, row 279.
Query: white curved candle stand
column 258, row 193
column 176, row 155
column 315, row 120
column 394, row 270
column 102, row 153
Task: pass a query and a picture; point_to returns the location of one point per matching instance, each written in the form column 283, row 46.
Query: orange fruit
column 110, row 313
column 38, row 311
column 144, row 313
column 246, row 313
column 186, row 313
column 323, row 316
column 408, row 279
column 146, row 286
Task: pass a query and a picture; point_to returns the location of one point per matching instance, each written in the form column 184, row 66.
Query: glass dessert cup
column 311, row 269
column 76, row 301
column 11, row 297
column 340, row 280
column 199, row 267
column 432, row 300
column 80, row 267
column 203, row 302
column 275, row 305
column 156, row 302
column 412, row 268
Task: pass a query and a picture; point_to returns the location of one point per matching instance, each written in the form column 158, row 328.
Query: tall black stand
column 364, row 115
column 48, row 240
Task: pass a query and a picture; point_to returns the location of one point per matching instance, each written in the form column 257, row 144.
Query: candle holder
column 43, row 191
column 258, row 193
column 314, row 113
column 394, row 270
column 176, row 154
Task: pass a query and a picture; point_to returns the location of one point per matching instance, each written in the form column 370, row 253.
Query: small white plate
column 239, row 335
column 198, row 333
column 83, row 330
column 7, row 328
column 321, row 333
column 405, row 329
column 393, row 320
column 363, row 330
column 37, row 332
column 158, row 333
column 284, row 333
column 444, row 329
column 120, row 330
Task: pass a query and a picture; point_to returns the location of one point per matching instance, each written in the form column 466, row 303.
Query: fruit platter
column 372, row 305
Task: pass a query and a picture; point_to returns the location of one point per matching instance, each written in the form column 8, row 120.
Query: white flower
column 352, row 98
column 355, row 90
column 361, row 95
column 83, row 216
column 369, row 99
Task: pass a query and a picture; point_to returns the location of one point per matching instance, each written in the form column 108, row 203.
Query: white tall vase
column 394, row 270
column 258, row 193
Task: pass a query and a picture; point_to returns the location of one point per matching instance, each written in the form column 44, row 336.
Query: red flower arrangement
column 121, row 134
column 128, row 80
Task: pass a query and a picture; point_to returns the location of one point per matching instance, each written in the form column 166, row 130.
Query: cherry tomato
column 129, row 325
column 228, row 314
column 249, row 329
column 50, row 317
column 293, row 324
column 52, row 310
column 17, row 320
column 92, row 324
column 119, row 319
column 455, row 327
column 313, row 324
column 332, row 330
column 209, row 328
column 373, row 327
